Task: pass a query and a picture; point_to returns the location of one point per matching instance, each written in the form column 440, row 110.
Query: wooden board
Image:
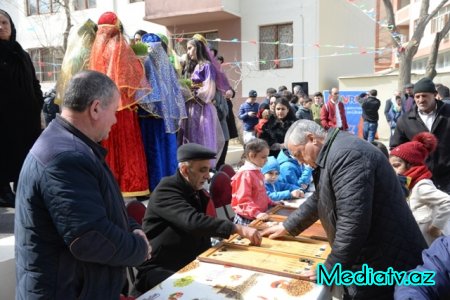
column 281, row 210
column 256, row 259
column 290, row 245
column 315, row 231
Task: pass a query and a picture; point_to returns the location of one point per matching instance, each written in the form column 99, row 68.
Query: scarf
column 417, row 173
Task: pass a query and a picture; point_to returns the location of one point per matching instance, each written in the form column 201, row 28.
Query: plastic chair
column 220, row 191
column 227, row 169
column 136, row 210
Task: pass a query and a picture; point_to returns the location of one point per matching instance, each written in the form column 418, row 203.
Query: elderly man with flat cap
column 176, row 222
column 432, row 116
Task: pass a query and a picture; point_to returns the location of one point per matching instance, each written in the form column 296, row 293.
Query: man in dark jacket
column 175, row 219
column 432, row 116
column 73, row 236
column 370, row 106
column 360, row 204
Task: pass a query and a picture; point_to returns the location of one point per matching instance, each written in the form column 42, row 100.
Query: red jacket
column 328, row 116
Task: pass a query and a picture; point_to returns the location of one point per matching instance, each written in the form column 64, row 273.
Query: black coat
column 20, row 109
column 178, row 229
column 410, row 124
column 73, row 236
column 360, row 203
column 231, row 121
column 274, row 130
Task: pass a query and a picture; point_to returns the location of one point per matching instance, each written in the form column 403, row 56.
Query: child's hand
column 297, row 194
column 262, row 216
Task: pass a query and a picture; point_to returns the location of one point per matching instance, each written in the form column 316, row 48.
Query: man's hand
column 250, row 233
column 141, row 233
column 311, row 274
column 274, row 231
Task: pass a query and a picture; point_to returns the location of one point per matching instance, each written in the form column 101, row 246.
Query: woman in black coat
column 275, row 129
column 20, row 108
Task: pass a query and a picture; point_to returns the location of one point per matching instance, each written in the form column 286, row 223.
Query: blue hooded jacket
column 278, row 190
column 291, row 171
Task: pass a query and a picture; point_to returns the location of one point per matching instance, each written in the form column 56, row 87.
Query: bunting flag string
column 362, row 51
column 254, row 42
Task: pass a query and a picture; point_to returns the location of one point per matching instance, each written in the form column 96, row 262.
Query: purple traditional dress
column 202, row 125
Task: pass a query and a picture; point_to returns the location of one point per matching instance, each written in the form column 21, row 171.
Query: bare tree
column 406, row 53
column 430, row 70
column 66, row 5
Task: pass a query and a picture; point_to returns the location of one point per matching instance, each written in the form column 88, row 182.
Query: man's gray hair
column 298, row 132
column 87, row 86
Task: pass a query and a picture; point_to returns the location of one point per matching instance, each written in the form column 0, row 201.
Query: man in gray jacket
column 73, row 236
column 360, row 204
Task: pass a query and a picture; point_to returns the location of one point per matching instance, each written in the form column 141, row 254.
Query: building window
column 403, row 3
column 439, row 21
column 274, row 52
column 40, row 7
column 47, row 62
column 84, row 4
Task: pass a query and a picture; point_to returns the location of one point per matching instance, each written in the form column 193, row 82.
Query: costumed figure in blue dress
column 160, row 112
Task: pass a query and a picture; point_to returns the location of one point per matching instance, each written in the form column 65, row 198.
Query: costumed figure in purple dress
column 202, row 125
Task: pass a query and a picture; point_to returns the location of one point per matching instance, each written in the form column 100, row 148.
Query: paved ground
column 6, row 222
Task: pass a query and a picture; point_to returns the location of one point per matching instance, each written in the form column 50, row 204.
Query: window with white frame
column 47, row 62
column 84, row 4
column 439, row 21
column 275, row 46
column 40, row 7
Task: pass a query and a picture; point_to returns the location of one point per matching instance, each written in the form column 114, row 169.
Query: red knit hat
column 416, row 151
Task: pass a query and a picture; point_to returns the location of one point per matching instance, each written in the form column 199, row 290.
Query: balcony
column 183, row 12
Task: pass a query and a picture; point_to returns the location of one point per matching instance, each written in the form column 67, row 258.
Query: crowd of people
column 129, row 120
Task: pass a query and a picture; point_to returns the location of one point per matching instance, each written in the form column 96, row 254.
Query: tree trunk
column 68, row 24
column 430, row 70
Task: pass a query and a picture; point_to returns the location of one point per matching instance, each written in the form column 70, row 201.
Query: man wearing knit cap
column 431, row 116
column 176, row 221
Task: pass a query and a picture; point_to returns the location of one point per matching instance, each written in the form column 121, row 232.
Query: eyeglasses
column 335, row 93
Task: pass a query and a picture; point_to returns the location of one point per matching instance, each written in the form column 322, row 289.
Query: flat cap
column 193, row 151
column 409, row 86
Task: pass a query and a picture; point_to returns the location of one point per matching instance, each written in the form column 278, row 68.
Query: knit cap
column 416, row 151
column 271, row 165
column 424, row 85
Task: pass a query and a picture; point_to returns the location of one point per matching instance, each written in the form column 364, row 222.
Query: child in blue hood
column 291, row 171
column 277, row 190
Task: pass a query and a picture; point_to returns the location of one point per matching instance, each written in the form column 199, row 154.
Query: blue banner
column 353, row 109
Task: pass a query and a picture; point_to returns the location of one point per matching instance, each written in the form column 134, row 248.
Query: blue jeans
column 369, row 130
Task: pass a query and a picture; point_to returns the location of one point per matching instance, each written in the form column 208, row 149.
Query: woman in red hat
column 430, row 206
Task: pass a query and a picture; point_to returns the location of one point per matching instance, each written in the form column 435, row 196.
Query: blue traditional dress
column 160, row 112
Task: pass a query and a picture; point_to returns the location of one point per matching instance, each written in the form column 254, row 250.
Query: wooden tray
column 281, row 210
column 315, row 231
column 290, row 245
column 257, row 259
